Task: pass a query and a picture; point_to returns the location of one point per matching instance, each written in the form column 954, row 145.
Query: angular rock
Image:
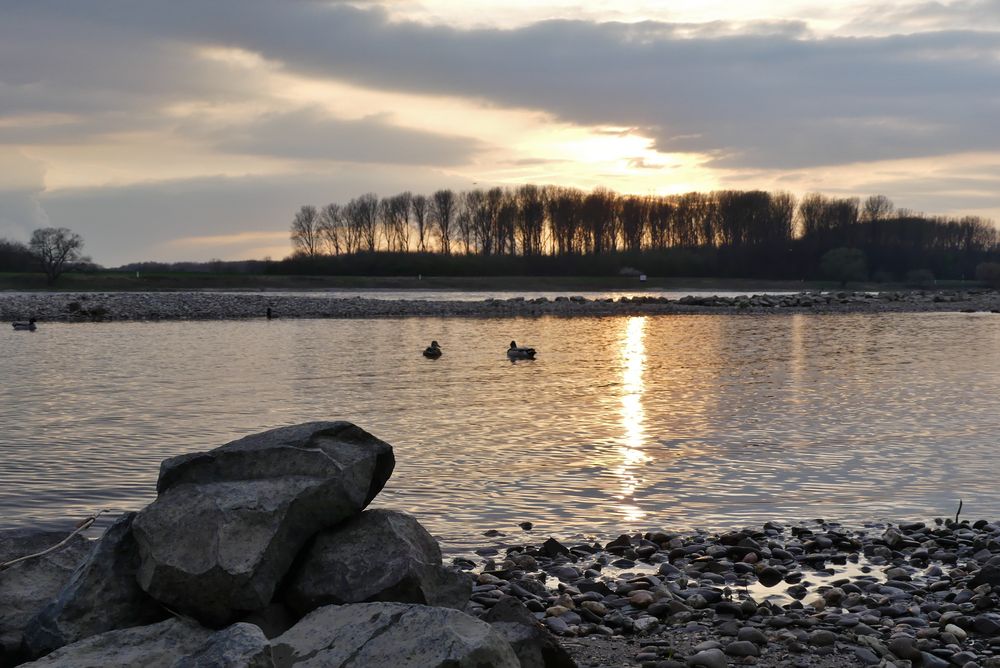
column 228, row 523
column 27, row 586
column 534, row 646
column 155, row 646
column 380, row 555
column 102, row 595
column 239, row 646
column 392, row 634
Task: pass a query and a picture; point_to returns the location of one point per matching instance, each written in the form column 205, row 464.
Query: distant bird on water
column 433, row 351
column 516, row 352
column 25, row 326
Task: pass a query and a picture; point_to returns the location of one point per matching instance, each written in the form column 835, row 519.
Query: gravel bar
column 147, row 306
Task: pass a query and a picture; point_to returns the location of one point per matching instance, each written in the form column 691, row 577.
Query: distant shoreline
column 193, row 282
column 168, row 306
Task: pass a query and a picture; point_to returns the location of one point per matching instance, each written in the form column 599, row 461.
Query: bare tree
column 305, row 232
column 419, row 206
column 471, row 211
column 443, row 215
column 530, row 220
column 876, row 208
column 361, row 217
column 54, row 248
column 332, row 229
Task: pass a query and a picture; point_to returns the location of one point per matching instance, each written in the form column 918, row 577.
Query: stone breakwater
column 258, row 553
column 813, row 594
column 111, row 306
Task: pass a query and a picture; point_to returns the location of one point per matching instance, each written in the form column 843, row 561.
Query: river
column 622, row 423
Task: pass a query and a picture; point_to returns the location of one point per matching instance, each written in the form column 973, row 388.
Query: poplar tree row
column 532, row 220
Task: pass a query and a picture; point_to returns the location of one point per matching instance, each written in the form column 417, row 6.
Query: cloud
column 162, row 220
column 313, row 135
column 758, row 94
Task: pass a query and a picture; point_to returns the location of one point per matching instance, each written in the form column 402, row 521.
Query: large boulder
column 391, row 634
column 380, row 555
column 239, row 646
column 534, row 645
column 102, row 595
column 228, row 523
column 25, row 587
column 155, row 646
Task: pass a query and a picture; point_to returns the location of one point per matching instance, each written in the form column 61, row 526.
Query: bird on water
column 25, row 326
column 516, row 352
column 433, row 351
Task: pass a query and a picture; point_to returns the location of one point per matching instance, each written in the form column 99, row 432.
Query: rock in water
column 155, row 646
column 228, row 523
column 28, row 585
column 392, row 634
column 534, row 645
column 102, row 595
column 381, row 555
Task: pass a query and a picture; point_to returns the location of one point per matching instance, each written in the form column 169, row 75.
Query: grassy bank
column 117, row 281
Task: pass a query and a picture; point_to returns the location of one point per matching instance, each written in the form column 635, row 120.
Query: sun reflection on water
column 633, row 418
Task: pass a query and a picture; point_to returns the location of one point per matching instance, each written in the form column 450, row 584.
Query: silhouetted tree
column 443, row 215
column 419, row 206
column 305, row 232
column 55, row 248
column 530, row 221
column 331, row 228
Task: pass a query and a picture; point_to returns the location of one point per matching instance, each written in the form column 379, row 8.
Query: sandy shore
column 112, row 306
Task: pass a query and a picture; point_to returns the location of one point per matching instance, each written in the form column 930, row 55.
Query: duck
column 25, row 326
column 433, row 351
column 516, row 352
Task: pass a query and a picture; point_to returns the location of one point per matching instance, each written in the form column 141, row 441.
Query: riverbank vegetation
column 533, row 230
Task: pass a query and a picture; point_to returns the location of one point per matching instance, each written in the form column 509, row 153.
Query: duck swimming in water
column 433, row 351
column 516, row 352
column 25, row 326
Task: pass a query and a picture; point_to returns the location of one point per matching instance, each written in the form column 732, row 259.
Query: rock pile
column 914, row 594
column 258, row 553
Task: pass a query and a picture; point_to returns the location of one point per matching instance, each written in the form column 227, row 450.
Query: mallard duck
column 25, row 326
column 433, row 351
column 516, row 352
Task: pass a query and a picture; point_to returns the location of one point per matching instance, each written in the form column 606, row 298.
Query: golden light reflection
column 633, row 416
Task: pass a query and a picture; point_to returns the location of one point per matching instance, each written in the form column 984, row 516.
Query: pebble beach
column 808, row 594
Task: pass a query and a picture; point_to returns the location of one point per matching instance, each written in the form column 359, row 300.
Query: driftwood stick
column 959, row 511
column 82, row 526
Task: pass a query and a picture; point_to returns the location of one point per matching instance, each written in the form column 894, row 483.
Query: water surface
column 677, row 421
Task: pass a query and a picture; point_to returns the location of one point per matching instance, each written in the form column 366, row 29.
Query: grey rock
column 534, row 646
column 102, row 595
column 749, row 633
column 239, row 646
column 708, row 658
column 822, row 638
column 228, row 523
column 27, row 586
column 392, row 634
column 905, row 648
column 155, row 646
column 380, row 555
column 742, row 648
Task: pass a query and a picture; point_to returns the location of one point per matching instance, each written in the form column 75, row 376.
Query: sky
column 187, row 130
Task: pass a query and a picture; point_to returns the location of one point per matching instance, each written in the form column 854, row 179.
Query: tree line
column 749, row 231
